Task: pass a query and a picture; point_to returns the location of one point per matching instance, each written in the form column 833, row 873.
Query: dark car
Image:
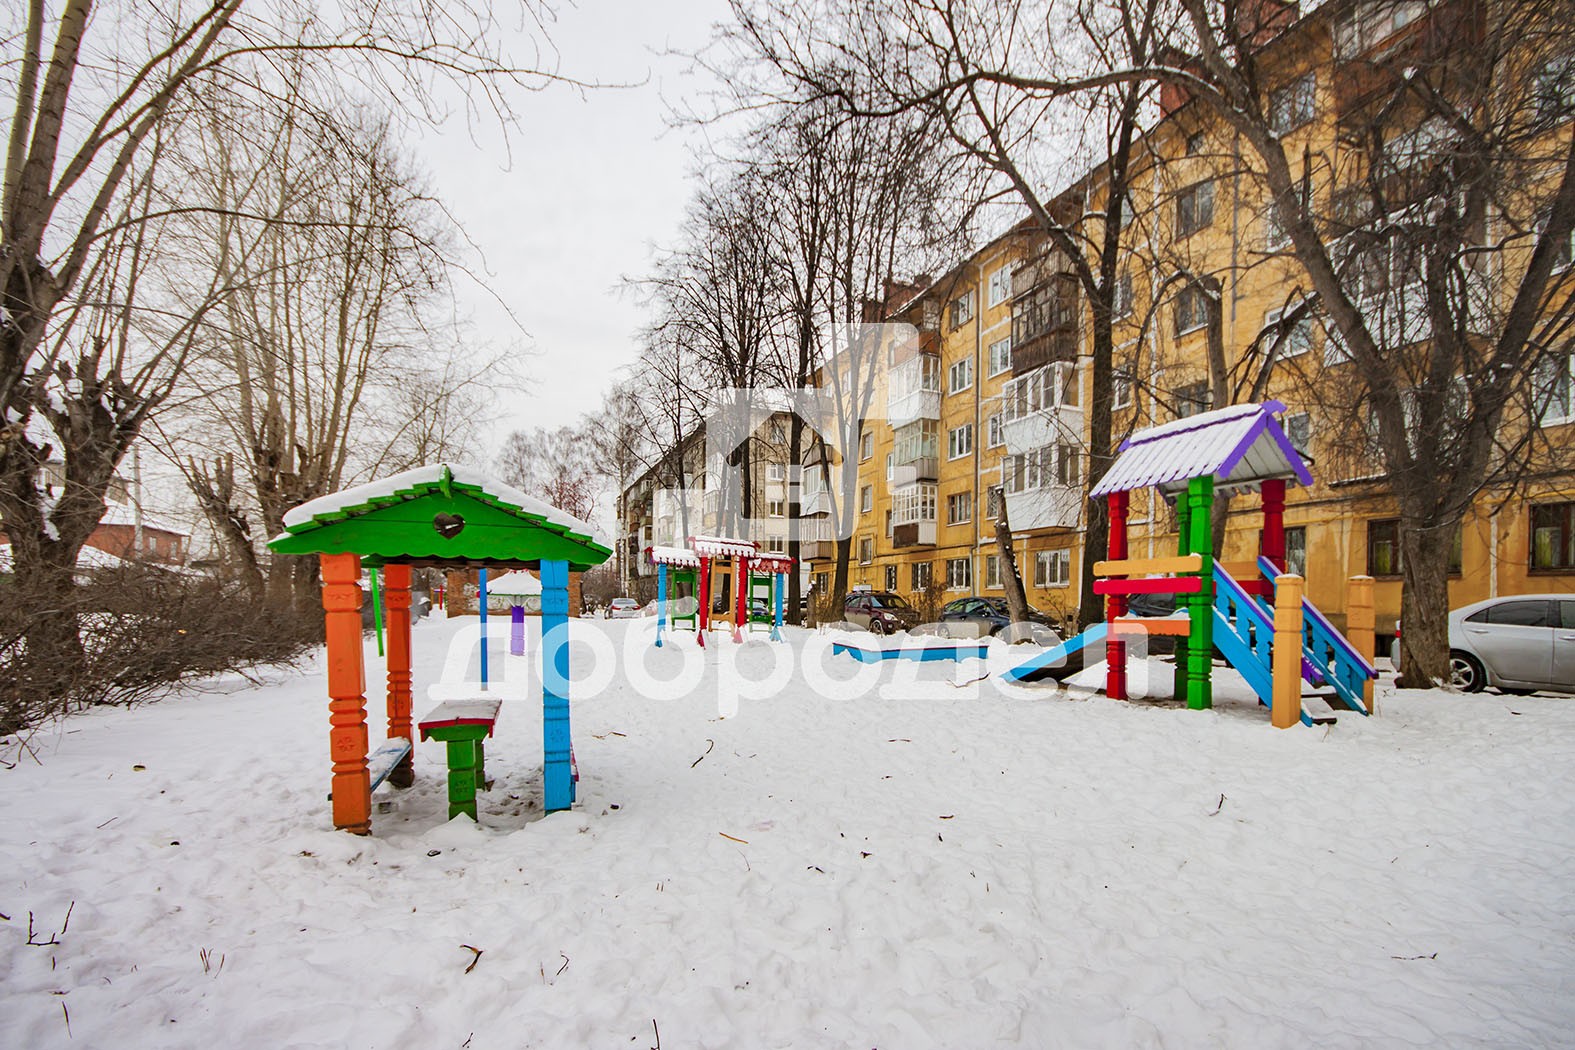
column 1154, row 607
column 879, row 612
column 976, row 617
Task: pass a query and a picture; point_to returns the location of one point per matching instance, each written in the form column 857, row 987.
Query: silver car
column 1522, row 643
column 623, row 609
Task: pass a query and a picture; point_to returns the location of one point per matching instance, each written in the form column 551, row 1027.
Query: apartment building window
column 995, row 434
column 1000, row 285
column 1050, row 465
column 866, row 549
column 1335, row 352
column 1000, row 356
column 1194, row 208
column 1296, row 551
column 775, row 472
column 1298, row 427
column 992, row 501
column 866, row 445
column 776, row 545
column 1195, row 143
column 1192, row 399
column 1121, row 389
column 1191, row 309
column 1052, row 568
column 930, row 319
column 822, row 581
column 1275, row 236
column 1369, row 24
column 992, row 572
column 959, row 508
column 891, row 466
column 1555, row 390
column 891, row 577
column 1553, row 89
column 920, row 575
column 960, row 376
column 776, row 508
column 959, row 441
column 959, row 574
column 1383, row 547
column 1553, row 537
column 1291, row 105
column 866, row 499
column 1121, row 297
column 1295, row 342
column 1046, row 387
column 888, row 525
column 962, row 309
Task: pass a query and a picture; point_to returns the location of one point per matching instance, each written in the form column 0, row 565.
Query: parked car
column 1156, row 607
column 879, row 612
column 977, row 616
column 1523, row 643
column 623, row 609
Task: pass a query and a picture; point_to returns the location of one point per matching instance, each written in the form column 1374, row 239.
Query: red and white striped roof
column 678, row 557
column 770, row 561
column 722, row 547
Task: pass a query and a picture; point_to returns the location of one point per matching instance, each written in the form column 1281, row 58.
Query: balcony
column 1042, row 408
column 913, row 515
column 916, row 452
column 1044, row 324
column 913, row 390
column 1043, row 486
column 1047, row 507
column 817, row 539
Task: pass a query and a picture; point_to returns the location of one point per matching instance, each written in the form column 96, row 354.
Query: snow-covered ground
column 908, row 863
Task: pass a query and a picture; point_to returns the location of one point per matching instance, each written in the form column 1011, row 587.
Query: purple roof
column 1241, row 446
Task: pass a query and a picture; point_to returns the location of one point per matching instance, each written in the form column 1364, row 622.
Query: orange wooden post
column 352, row 787
column 1287, row 662
column 396, row 597
column 1360, row 623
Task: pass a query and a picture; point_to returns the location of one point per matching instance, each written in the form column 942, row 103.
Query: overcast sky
column 595, row 181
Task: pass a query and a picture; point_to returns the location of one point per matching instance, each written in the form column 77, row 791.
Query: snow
column 888, row 859
column 518, row 583
column 682, row 557
column 357, row 495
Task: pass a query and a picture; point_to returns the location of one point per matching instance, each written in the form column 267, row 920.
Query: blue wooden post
column 661, row 601
column 556, row 740
column 776, row 628
column 517, row 630
column 482, row 598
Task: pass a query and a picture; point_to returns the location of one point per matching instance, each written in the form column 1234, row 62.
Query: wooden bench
column 383, row 761
column 463, row 725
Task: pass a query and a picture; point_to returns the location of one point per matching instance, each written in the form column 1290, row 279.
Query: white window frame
column 995, row 433
column 1052, row 568
column 959, row 442
column 866, row 445
column 959, row 574
column 992, row 572
column 866, row 549
column 1000, row 285
column 891, row 577
column 891, row 465
column 1121, row 387
column 1294, row 104
column 1121, row 298
column 1299, row 341
column 1292, row 421
column 963, row 367
column 866, row 499
column 1555, row 374
column 1004, row 364
column 960, row 312
column 963, row 500
column 775, row 472
column 776, row 508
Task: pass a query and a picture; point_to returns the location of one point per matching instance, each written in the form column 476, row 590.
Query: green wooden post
column 1200, row 641
column 466, row 765
column 377, row 610
column 1184, row 601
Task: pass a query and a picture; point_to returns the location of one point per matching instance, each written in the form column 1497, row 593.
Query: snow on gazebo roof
column 678, row 557
column 722, row 547
column 771, row 561
column 441, row 515
column 1241, row 446
column 518, row 583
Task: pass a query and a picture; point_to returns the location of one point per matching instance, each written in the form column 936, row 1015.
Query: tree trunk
column 1011, row 580
column 1424, row 606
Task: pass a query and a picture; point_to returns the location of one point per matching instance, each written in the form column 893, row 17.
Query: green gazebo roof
column 441, row 516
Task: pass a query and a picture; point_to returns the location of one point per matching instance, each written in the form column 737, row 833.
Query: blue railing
column 1328, row 654
column 1243, row 634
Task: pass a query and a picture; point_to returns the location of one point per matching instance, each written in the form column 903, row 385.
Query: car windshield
column 889, row 601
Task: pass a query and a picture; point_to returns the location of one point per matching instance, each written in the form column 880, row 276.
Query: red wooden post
column 352, row 787
column 396, row 596
column 1116, row 604
column 740, row 595
column 1271, row 541
column 705, row 599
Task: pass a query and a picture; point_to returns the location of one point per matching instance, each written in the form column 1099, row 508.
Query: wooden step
column 1317, row 710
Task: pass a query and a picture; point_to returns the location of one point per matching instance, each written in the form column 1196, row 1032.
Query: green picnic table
column 463, row 725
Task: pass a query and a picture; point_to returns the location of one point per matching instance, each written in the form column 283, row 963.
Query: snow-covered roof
column 518, row 583
column 1241, row 446
column 722, row 547
column 679, row 557
column 441, row 514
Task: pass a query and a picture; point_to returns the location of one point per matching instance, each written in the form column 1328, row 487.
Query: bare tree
column 552, row 465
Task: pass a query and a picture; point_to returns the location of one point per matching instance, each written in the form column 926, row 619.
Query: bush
column 144, row 630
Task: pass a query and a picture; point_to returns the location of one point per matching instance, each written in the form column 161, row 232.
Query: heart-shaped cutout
column 448, row 525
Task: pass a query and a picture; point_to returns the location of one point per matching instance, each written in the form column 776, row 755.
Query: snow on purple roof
column 1242, row 446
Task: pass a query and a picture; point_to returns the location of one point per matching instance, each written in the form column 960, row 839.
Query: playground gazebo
column 442, row 517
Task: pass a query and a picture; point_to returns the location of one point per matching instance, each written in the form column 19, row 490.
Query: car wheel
column 942, row 631
column 1466, row 672
column 876, row 627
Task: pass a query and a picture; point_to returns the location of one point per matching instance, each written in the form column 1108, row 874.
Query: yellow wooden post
column 1360, row 622
column 1287, row 710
